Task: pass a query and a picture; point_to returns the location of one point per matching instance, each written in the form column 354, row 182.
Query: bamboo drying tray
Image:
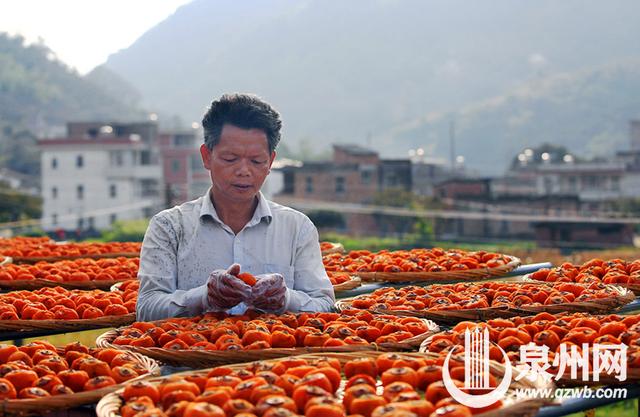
column 633, row 374
column 208, row 358
column 599, row 306
column 635, row 288
column 62, row 402
column 63, row 326
column 442, row 276
column 110, row 405
column 34, row 284
column 33, row 260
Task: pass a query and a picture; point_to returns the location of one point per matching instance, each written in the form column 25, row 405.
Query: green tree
column 16, row 206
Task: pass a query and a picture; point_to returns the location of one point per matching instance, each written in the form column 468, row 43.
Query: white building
column 100, row 173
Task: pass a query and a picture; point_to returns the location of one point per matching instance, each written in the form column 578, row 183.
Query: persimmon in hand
column 247, row 278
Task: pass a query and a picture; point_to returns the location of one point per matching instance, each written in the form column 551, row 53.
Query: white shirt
column 184, row 244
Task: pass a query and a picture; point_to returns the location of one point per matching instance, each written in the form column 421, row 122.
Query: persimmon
column 32, row 392
column 123, row 373
column 404, row 374
column 7, row 390
column 361, row 366
column 360, row 379
column 203, row 409
column 223, row 381
column 238, row 406
column 315, row 379
column 98, row 382
column 356, row 391
column 393, row 389
column 47, row 382
column 131, row 408
column 176, row 396
column 74, row 379
column 288, row 382
column 437, row 391
column 217, row 396
column 302, row 394
column 264, row 391
column 244, row 389
column 365, row 404
column 325, row 410
column 60, row 390
column 275, row 401
column 21, row 379
column 247, row 278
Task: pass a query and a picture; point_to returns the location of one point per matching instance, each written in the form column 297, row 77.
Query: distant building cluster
column 537, row 184
column 102, row 172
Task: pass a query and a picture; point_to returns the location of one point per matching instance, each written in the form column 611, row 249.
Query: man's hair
column 245, row 111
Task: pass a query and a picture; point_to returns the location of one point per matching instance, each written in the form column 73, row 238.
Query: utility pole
column 452, row 144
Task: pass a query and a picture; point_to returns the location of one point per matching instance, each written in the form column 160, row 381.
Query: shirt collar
column 263, row 210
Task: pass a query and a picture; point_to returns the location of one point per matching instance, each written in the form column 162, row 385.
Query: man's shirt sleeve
column 312, row 290
column 158, row 297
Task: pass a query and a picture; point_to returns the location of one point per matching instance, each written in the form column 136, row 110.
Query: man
column 192, row 253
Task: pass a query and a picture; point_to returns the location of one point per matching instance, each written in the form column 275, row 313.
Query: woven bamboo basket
column 443, row 276
column 635, row 288
column 63, row 326
column 5, row 260
column 208, row 358
column 633, row 374
column 62, row 402
column 35, row 284
column 354, row 282
column 600, row 306
column 33, row 260
column 110, row 405
column 336, row 248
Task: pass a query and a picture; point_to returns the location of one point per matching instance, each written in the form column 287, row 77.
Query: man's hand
column 225, row 290
column 269, row 294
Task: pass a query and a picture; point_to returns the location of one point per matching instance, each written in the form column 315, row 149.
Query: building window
column 54, row 163
column 175, row 165
column 79, row 161
column 340, row 185
column 309, row 185
column 80, row 192
column 54, row 192
column 80, row 223
column 116, row 158
column 145, row 158
column 615, row 183
column 54, row 219
column 365, row 176
column 113, row 218
column 112, row 191
column 183, row 141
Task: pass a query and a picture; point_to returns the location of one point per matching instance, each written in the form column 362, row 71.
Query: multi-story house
column 184, row 175
column 354, row 175
column 100, row 173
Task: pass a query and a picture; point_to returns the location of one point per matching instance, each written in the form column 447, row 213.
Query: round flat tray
column 38, row 406
column 599, row 306
column 442, row 276
column 110, row 405
column 207, row 358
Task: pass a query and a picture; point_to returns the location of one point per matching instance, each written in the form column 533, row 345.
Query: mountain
column 38, row 92
column 586, row 111
column 362, row 70
column 39, row 95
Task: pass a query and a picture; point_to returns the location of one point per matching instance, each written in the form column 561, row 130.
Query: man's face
column 239, row 163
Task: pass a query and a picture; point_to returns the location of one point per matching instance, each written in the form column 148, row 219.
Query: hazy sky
column 83, row 33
